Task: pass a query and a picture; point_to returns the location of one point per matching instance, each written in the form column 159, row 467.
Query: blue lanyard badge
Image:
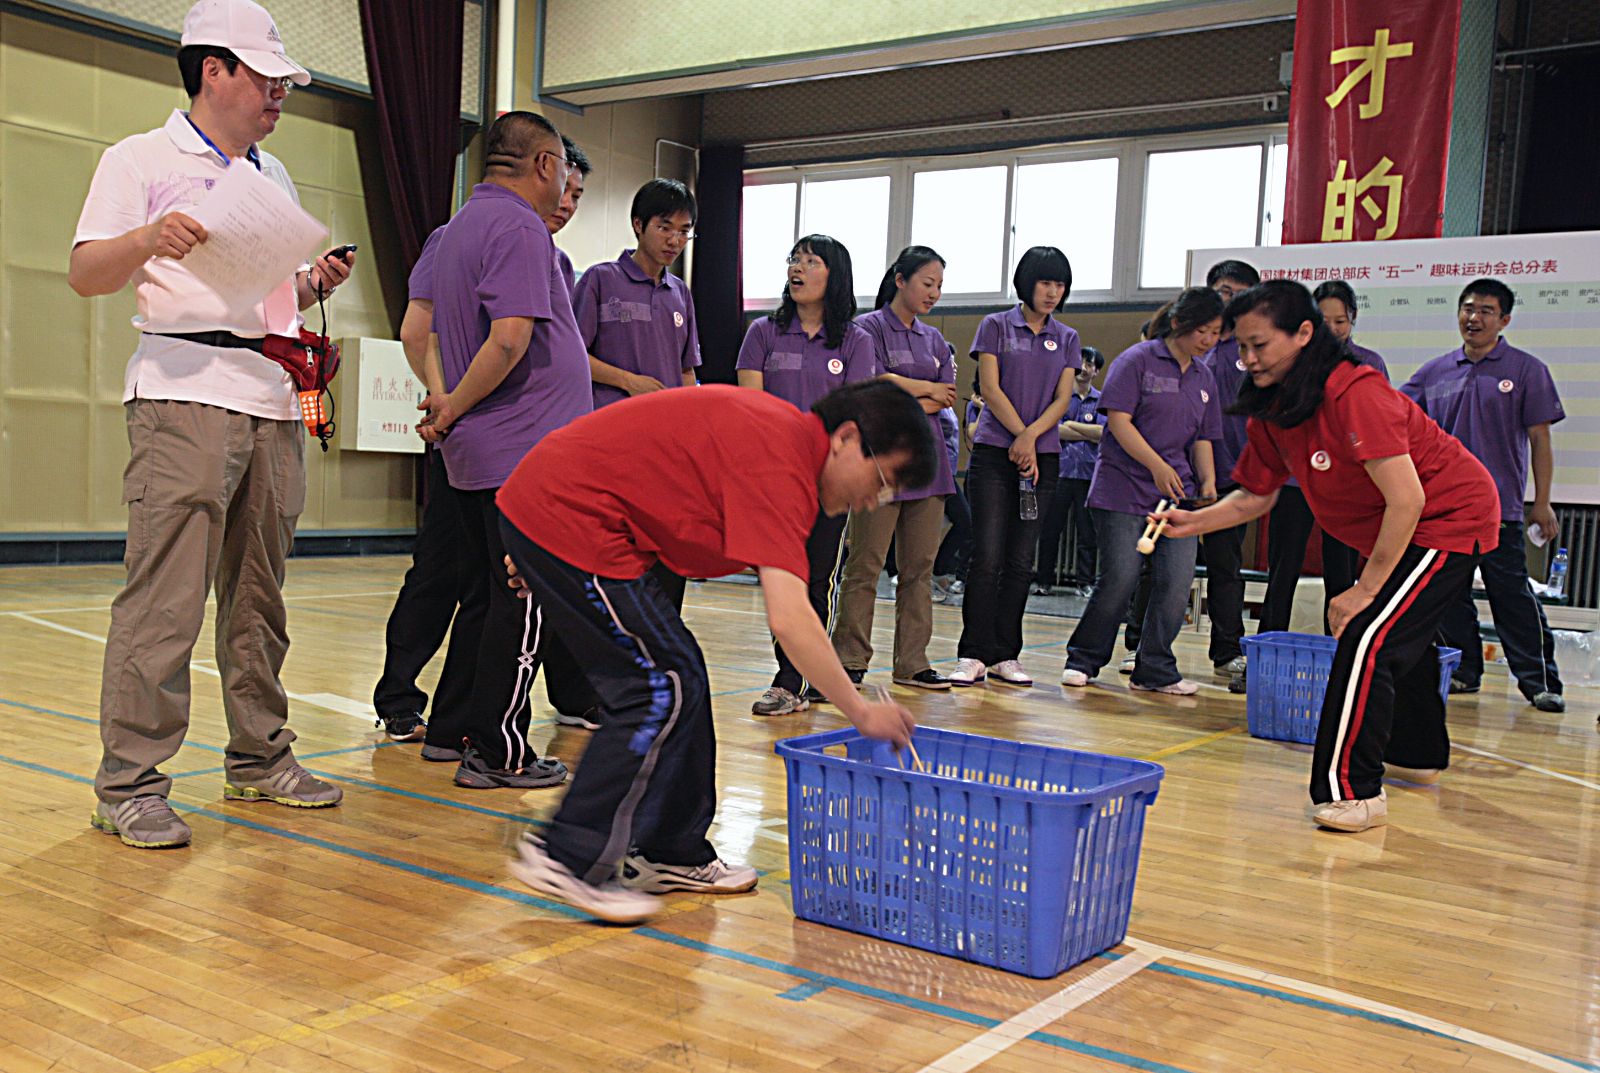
column 250, row 154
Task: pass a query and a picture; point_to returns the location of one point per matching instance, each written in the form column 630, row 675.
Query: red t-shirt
column 1362, row 418
column 709, row 480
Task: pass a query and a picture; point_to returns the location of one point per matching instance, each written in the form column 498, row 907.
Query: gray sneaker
column 293, row 786
column 1234, row 666
column 610, row 901
column 776, row 701
column 144, row 822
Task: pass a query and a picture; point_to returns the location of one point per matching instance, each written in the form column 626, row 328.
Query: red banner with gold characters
column 1369, row 119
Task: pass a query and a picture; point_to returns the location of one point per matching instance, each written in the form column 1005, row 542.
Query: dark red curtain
column 718, row 296
column 414, row 65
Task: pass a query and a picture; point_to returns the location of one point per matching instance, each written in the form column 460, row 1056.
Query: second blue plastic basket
column 1018, row 856
column 1287, row 677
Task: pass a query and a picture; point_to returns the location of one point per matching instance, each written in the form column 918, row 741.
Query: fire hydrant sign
column 377, row 398
column 1369, row 119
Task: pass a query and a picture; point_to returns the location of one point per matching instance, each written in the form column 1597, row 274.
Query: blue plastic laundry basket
column 1288, row 674
column 1018, row 856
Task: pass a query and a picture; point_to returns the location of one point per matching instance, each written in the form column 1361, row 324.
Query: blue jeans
column 1171, row 573
column 1003, row 547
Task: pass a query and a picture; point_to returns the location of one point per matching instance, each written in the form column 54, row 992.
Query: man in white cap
column 216, row 480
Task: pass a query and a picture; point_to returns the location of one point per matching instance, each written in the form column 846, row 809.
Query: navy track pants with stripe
column 1382, row 701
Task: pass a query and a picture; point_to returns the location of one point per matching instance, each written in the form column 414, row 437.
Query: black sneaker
column 928, row 679
column 856, row 676
column 813, row 695
column 440, row 754
column 587, row 720
column 1457, row 685
column 1548, row 702
column 1239, row 683
column 407, row 726
column 474, row 774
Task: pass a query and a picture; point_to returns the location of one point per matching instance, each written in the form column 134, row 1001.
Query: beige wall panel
column 44, row 335
column 46, row 177
column 39, row 86
column 108, row 457
column 306, row 148
column 112, row 340
column 134, row 90
column 44, row 480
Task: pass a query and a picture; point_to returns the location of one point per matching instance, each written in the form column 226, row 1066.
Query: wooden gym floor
column 386, row 935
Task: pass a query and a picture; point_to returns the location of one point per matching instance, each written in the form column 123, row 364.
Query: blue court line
column 801, row 992
column 820, row 980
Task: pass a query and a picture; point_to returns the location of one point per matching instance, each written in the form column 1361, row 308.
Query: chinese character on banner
column 1369, row 119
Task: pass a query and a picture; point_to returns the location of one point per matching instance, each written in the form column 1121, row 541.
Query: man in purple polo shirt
column 1499, row 401
column 514, row 371
column 636, row 318
column 567, row 207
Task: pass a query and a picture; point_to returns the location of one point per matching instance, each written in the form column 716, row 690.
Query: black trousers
column 955, row 550
column 1222, row 553
column 1003, row 548
column 1518, row 619
column 425, row 605
column 647, row 780
column 1382, row 700
column 1287, row 534
column 1070, row 501
column 825, row 560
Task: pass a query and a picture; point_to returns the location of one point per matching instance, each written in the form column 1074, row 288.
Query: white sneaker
column 1181, row 688
column 1127, row 664
column 610, row 901
column 968, row 672
column 1353, row 815
column 1420, row 776
column 1076, row 679
column 1010, row 672
column 717, row 877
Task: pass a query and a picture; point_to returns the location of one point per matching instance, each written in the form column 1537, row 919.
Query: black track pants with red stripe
column 1383, row 699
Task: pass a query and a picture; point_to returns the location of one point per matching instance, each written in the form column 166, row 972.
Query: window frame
column 1132, row 155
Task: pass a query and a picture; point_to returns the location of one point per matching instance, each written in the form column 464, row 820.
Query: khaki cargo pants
column 213, row 497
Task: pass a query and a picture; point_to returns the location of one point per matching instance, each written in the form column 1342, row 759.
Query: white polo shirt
column 138, row 181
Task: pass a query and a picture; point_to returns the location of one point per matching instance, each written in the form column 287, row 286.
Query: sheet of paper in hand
column 256, row 237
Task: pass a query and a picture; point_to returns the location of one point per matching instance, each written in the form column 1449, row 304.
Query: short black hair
column 1041, row 263
column 192, row 61
column 1490, row 288
column 1192, row 309
column 1093, row 356
column 576, row 157
column 1289, row 306
column 1338, row 288
column 512, row 144
column 1240, row 270
column 889, row 420
column 663, row 197
column 838, row 298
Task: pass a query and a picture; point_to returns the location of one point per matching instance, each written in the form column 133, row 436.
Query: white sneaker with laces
column 1010, row 672
column 716, row 877
column 1076, row 679
column 610, row 901
column 1360, row 815
column 1181, row 688
column 968, row 672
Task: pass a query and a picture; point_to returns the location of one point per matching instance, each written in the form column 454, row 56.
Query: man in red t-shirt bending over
column 706, row 482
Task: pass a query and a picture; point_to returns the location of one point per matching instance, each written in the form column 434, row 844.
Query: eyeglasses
column 1468, row 310
column 667, row 231
column 805, row 264
column 286, row 83
column 566, row 165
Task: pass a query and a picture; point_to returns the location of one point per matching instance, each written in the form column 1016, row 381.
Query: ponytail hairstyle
column 908, row 264
column 1147, row 330
column 1194, row 308
column 838, row 300
column 1288, row 305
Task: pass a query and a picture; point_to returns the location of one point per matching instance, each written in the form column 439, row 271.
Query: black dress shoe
column 928, row 679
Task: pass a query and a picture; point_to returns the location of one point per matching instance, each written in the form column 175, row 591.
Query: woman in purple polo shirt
column 1162, row 412
column 1290, row 523
column 1026, row 361
column 914, row 356
column 808, row 347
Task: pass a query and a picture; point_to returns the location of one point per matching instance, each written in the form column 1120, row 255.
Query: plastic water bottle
column 1557, row 585
column 1027, row 501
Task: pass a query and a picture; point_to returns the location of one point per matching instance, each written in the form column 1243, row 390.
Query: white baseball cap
column 246, row 30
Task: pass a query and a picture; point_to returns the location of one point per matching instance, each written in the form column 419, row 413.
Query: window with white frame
column 1125, row 212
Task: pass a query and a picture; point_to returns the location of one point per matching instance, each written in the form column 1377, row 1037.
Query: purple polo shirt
column 1489, row 405
column 1170, row 409
column 1227, row 368
column 916, row 353
column 1368, row 357
column 1079, row 456
column 565, row 264
column 1030, row 368
column 801, row 370
column 419, row 285
column 495, row 260
column 638, row 325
